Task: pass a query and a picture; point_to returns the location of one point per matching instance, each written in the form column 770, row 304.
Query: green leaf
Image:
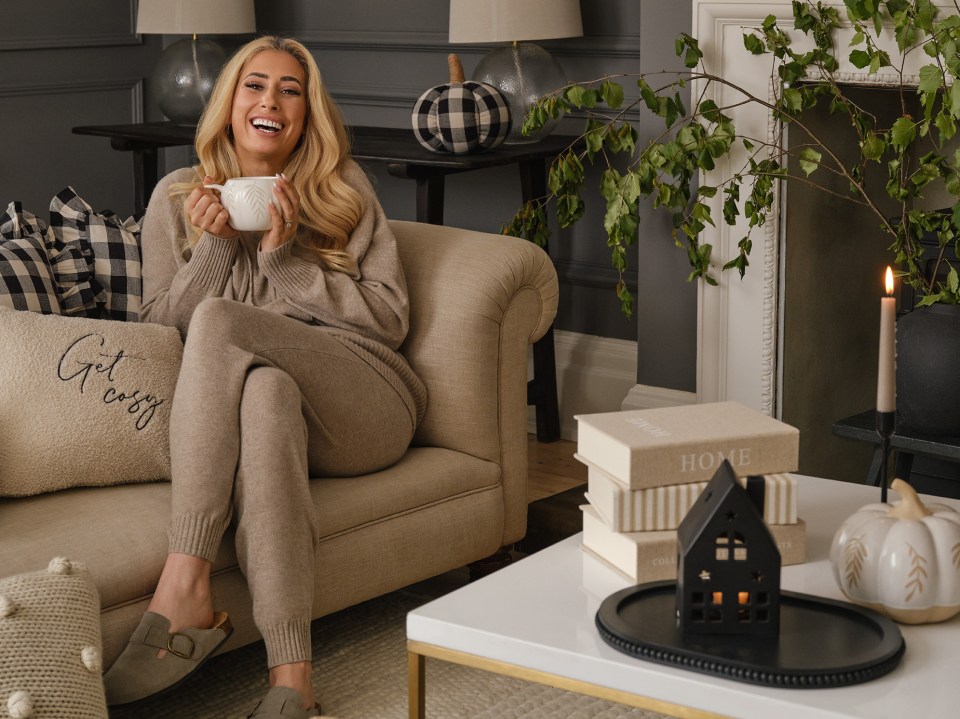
column 953, row 282
column 792, row 99
column 809, row 160
column 753, row 44
column 710, row 111
column 928, row 300
column 612, row 94
column 931, row 77
column 860, row 58
column 946, row 125
column 954, row 95
column 580, row 96
column 650, row 98
column 872, row 147
column 903, row 132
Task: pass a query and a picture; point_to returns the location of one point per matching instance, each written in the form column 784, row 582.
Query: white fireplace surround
column 737, row 322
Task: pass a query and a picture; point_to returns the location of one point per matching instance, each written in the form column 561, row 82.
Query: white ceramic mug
column 246, row 199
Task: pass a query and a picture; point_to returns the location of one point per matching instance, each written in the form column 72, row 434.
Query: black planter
column 928, row 371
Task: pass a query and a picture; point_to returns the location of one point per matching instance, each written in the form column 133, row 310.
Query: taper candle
column 886, row 374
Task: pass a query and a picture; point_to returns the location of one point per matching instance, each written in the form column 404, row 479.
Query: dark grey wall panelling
column 378, row 57
column 667, row 314
column 64, row 64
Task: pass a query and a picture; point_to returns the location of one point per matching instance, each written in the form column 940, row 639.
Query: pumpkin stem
column 910, row 506
column 456, row 67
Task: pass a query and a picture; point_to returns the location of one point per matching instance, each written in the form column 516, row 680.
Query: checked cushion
column 26, row 278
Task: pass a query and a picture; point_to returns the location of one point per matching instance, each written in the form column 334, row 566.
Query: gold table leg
column 416, row 686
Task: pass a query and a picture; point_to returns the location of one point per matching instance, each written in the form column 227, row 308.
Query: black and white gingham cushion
column 26, row 280
column 461, row 118
column 114, row 246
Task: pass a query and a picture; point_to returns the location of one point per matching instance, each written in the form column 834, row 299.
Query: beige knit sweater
column 368, row 308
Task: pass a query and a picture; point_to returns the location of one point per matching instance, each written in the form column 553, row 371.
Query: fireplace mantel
column 737, row 321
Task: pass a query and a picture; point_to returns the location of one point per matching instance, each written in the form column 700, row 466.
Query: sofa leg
column 488, row 565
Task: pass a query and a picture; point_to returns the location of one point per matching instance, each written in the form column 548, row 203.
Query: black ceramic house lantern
column 728, row 564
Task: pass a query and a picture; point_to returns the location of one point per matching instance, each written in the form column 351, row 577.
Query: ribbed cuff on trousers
column 287, row 642
column 199, row 536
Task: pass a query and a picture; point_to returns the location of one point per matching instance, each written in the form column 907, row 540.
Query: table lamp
column 187, row 69
column 523, row 72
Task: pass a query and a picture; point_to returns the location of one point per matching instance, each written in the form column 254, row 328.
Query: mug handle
column 219, row 188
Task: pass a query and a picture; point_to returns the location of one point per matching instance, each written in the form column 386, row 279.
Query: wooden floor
column 552, row 468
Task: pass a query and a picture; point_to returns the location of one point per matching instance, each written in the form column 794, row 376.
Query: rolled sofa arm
column 477, row 301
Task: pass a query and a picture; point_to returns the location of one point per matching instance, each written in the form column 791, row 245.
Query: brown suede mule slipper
column 138, row 673
column 284, row 703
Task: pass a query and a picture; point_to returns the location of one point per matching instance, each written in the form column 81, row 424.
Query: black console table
column 407, row 159
column 905, row 448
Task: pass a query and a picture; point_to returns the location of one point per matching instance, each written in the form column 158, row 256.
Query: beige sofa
column 458, row 495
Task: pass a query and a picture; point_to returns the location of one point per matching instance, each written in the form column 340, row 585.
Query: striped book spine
column 662, row 508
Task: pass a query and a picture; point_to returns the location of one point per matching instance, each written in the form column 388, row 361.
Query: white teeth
column 263, row 123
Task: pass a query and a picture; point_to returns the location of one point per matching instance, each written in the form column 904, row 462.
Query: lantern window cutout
column 728, row 564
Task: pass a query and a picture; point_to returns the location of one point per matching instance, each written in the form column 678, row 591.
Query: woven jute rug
column 360, row 672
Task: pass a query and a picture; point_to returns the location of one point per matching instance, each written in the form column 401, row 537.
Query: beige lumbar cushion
column 83, row 402
column 50, row 654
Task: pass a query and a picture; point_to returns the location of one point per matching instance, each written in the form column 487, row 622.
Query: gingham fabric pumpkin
column 461, row 116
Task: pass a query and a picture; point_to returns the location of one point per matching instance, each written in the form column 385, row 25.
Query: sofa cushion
column 120, row 532
column 84, row 402
column 114, row 246
column 424, row 476
column 50, row 652
column 26, row 279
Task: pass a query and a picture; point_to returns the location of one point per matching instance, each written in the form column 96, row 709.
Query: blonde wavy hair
column 329, row 207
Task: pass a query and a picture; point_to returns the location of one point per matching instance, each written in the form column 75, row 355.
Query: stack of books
column 646, row 468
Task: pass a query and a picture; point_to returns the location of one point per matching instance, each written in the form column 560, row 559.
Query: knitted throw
column 50, row 666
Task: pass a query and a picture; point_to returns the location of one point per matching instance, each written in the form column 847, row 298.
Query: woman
column 289, row 367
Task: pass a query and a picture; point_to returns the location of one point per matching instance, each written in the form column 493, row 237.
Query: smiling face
column 269, row 111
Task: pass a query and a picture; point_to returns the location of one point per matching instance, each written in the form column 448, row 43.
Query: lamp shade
column 508, row 20
column 196, row 17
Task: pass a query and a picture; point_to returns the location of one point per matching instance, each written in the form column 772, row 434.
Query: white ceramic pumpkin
column 902, row 560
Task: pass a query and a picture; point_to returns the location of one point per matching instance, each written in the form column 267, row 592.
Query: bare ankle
column 183, row 592
column 296, row 676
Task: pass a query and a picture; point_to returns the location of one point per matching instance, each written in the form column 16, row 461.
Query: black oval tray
column 822, row 642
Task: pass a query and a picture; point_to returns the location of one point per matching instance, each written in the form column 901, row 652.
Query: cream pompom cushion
column 50, row 653
column 83, row 402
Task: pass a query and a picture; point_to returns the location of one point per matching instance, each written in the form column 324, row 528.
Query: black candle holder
column 886, row 422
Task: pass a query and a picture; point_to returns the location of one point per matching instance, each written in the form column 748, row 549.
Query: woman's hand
column 205, row 212
column 284, row 215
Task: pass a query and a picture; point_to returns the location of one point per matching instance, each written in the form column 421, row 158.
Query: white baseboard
column 643, row 396
column 593, row 375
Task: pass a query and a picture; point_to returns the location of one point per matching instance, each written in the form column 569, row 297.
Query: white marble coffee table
column 535, row 620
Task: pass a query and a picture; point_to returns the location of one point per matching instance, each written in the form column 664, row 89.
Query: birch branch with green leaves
column 667, row 168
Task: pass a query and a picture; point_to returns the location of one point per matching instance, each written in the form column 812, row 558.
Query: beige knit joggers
column 263, row 403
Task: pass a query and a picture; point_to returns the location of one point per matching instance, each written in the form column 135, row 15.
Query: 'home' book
column 656, row 508
column 652, row 556
column 682, row 445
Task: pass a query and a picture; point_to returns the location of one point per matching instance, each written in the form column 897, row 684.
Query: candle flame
column 889, row 281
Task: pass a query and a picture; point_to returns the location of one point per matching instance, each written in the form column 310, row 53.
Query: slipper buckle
column 173, row 649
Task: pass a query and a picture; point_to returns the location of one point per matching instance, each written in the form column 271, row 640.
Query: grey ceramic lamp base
column 523, row 73
column 184, row 78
